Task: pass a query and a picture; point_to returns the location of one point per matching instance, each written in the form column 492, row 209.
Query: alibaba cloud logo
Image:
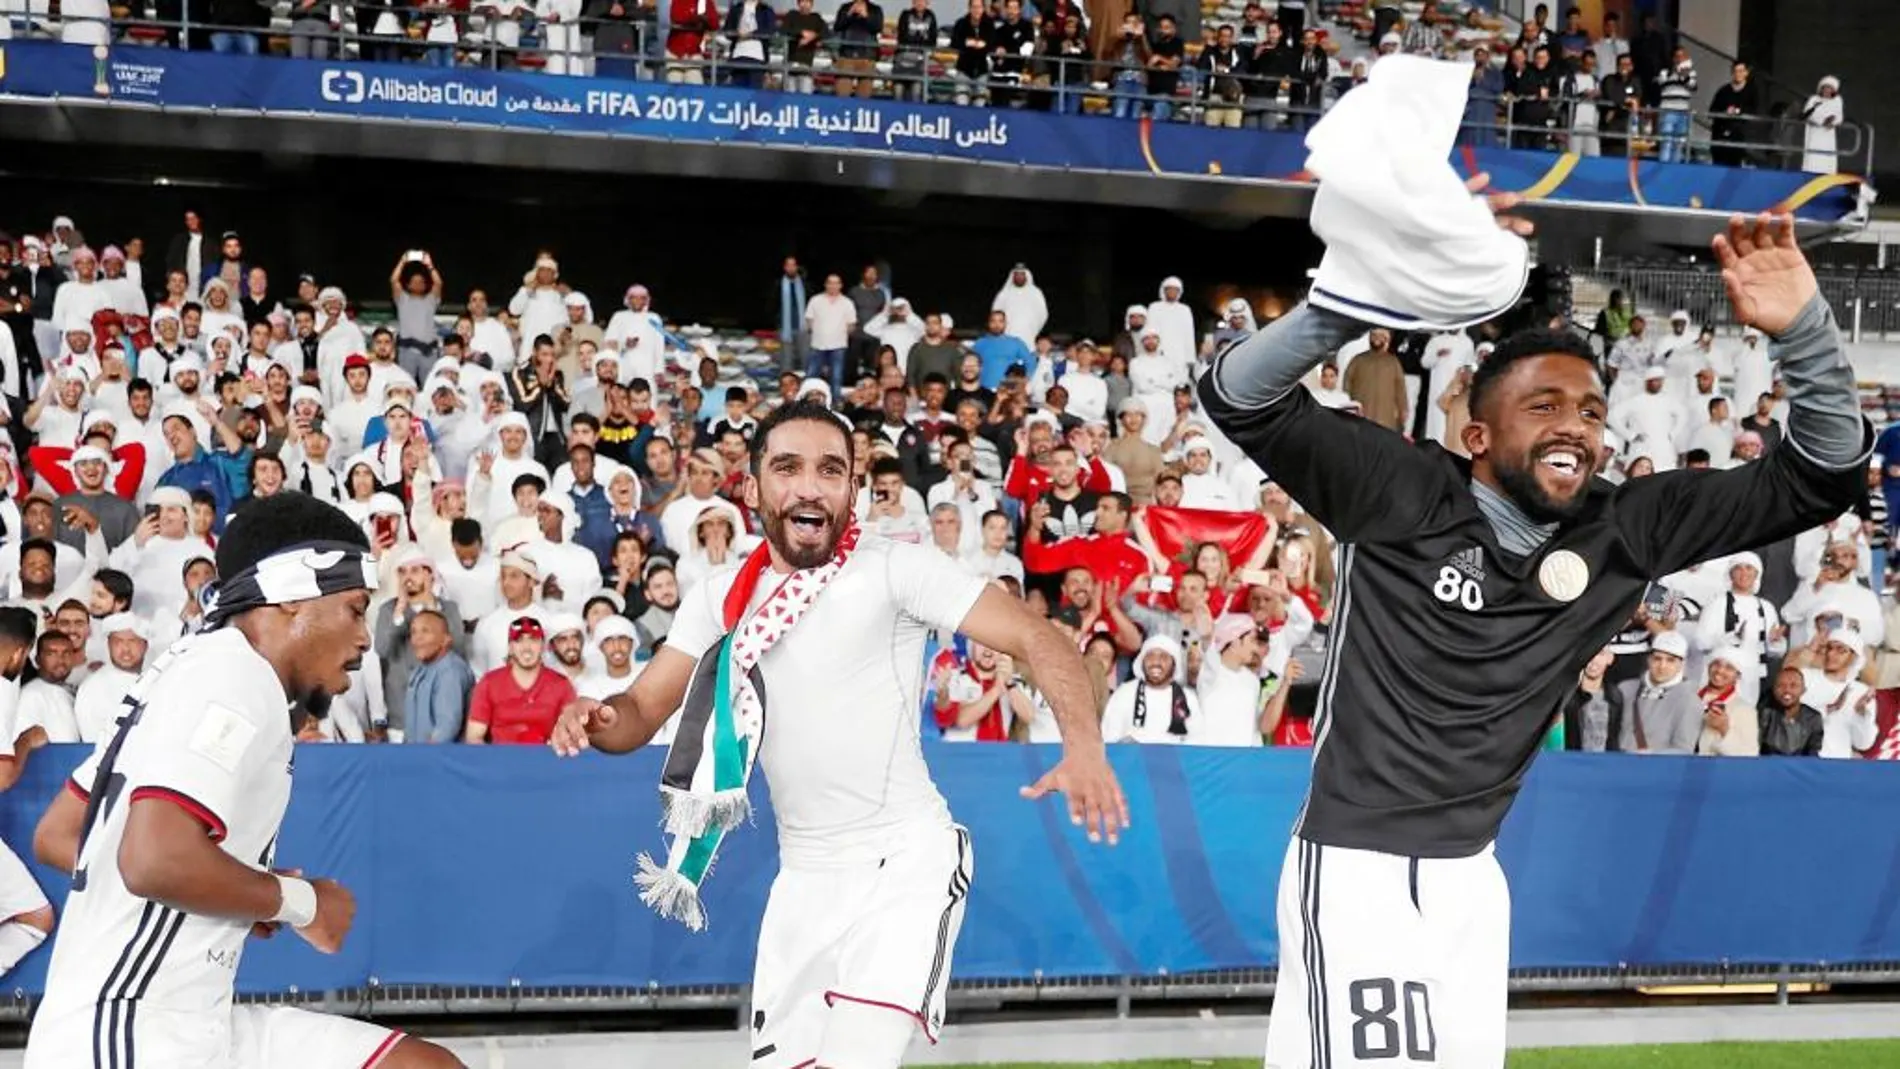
column 343, row 87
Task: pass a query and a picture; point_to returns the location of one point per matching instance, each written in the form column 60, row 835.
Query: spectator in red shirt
column 1030, row 469
column 972, row 697
column 1111, row 553
column 689, row 23
column 518, row 702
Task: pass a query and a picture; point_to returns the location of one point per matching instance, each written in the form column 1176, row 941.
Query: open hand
column 1501, row 205
column 580, row 718
column 1094, row 797
column 1768, row 279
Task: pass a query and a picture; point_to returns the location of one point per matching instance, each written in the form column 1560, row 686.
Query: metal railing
column 1126, row 994
column 1867, row 300
column 1043, row 80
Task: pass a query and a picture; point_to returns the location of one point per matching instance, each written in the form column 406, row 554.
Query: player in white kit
column 825, row 629
column 25, row 917
column 182, row 809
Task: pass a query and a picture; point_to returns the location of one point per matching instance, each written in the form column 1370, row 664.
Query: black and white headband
column 298, row 573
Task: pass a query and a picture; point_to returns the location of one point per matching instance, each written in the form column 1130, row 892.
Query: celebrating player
column 182, row 809
column 1471, row 594
column 823, row 631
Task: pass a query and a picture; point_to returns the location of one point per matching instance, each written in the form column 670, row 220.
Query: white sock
column 17, row 940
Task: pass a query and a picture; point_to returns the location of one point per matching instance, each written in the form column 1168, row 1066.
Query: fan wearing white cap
column 155, row 555
column 82, row 295
column 1680, row 335
column 78, row 348
column 338, row 338
column 638, row 334
column 184, row 383
column 615, row 638
column 115, row 517
column 1836, row 591
column 1632, row 355
column 572, row 567
column 102, row 695
column 1445, row 355
column 56, row 413
column 1171, row 316
column 1201, row 485
column 1661, row 713
column 539, row 305
column 897, row 326
column 414, row 591
column 1830, row 668
column 491, row 488
column 1739, row 618
column 567, row 644
column 519, row 579
column 577, row 327
column 1650, row 421
column 1730, row 725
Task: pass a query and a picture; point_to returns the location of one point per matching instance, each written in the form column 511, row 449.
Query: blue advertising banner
column 488, row 866
column 158, row 77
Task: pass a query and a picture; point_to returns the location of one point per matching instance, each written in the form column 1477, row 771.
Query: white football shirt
column 225, row 756
column 842, row 752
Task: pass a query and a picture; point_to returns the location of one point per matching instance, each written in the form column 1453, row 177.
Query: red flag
column 1178, row 532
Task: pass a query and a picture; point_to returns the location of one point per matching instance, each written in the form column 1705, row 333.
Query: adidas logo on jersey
column 1470, row 562
column 1461, row 580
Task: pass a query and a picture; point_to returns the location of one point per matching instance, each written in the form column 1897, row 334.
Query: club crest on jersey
column 1461, row 580
column 1564, row 575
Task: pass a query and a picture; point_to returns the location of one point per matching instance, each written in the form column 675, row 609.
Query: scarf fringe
column 669, row 894
column 692, row 815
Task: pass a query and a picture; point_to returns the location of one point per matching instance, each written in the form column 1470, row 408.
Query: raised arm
column 1678, row 518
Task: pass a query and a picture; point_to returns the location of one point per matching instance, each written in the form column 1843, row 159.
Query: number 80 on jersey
column 1456, row 588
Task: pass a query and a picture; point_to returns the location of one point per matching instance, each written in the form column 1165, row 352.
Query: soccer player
column 25, row 915
column 822, row 632
column 1470, row 595
column 171, row 860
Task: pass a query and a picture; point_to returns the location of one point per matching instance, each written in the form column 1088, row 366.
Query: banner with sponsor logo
column 131, row 75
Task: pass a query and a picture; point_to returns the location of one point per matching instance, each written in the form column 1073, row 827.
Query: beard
column 778, row 531
column 1521, row 486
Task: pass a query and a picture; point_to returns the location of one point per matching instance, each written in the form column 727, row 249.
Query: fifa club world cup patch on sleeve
column 222, row 737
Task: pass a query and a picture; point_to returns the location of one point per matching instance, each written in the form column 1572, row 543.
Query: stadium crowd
column 1553, row 84
column 543, row 479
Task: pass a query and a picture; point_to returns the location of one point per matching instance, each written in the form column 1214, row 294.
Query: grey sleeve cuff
column 1824, row 420
column 1266, row 365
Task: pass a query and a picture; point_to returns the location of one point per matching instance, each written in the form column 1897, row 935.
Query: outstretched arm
column 1679, row 518
column 1005, row 623
column 1773, row 289
column 629, row 720
column 1268, row 364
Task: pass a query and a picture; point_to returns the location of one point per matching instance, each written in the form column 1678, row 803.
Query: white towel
column 1406, row 246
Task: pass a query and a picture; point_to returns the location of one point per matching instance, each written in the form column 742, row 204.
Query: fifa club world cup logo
column 99, row 85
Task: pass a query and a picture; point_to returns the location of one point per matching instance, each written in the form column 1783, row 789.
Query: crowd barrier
column 499, row 867
column 253, row 85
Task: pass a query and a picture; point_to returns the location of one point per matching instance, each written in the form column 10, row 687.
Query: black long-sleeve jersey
column 1449, row 656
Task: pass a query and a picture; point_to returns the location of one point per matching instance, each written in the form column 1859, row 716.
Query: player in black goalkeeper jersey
column 1470, row 594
